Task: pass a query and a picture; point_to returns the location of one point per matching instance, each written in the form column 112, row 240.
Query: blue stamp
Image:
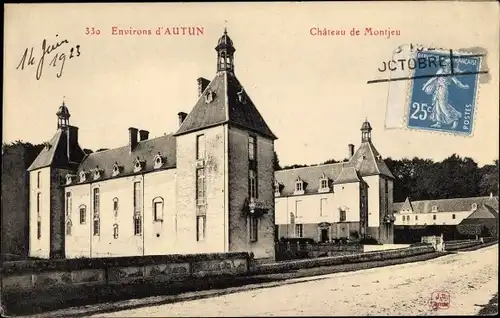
column 443, row 98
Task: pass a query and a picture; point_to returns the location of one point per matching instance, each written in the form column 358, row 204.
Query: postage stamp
column 439, row 300
column 443, row 93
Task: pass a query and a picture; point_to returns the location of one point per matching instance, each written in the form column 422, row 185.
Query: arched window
column 158, row 209
column 83, row 214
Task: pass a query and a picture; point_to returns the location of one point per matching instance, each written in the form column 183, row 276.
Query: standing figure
column 442, row 112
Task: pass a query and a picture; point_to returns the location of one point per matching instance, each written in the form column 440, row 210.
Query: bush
column 369, row 241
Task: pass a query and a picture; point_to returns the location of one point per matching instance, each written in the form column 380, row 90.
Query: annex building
column 346, row 200
column 206, row 188
column 415, row 219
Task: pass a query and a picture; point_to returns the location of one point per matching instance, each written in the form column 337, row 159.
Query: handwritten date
column 48, row 50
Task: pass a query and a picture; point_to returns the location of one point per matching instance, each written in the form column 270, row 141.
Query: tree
column 276, row 162
column 489, row 179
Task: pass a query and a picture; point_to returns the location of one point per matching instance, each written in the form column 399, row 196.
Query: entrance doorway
column 324, row 235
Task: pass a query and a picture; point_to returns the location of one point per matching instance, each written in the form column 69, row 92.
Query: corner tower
column 226, row 149
column 369, row 164
column 47, row 204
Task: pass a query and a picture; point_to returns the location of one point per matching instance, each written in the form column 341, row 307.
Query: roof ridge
column 57, row 141
column 310, row 166
column 126, row 145
column 370, row 145
column 449, row 199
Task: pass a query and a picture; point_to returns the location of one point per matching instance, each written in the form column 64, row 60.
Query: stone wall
column 47, row 283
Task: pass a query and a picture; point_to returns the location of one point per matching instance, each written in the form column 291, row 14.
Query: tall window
column 434, row 217
column 137, row 225
column 96, row 225
column 96, row 201
column 200, row 187
column 38, row 179
column 200, row 227
column 68, row 203
column 137, row 197
column 200, row 147
column 343, row 215
column 38, row 203
column 158, row 209
column 137, row 209
column 38, row 229
column 322, row 207
column 297, row 208
column 453, row 216
column 115, row 206
column 416, row 217
column 252, row 149
column 115, row 231
column 96, row 212
column 68, row 228
column 252, row 184
column 254, row 229
column 83, row 214
column 324, row 183
column 299, row 230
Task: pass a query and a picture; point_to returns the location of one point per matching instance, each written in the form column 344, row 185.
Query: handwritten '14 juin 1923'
column 48, row 50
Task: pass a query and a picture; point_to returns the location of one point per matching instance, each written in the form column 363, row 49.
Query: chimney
column 182, row 116
column 143, row 135
column 351, row 150
column 132, row 138
column 202, row 84
column 491, row 195
column 72, row 141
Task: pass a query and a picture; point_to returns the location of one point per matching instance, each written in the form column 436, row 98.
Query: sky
column 311, row 90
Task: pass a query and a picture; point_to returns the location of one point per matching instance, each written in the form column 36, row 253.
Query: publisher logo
column 439, row 300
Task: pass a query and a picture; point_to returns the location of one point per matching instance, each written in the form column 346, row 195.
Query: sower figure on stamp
column 442, row 111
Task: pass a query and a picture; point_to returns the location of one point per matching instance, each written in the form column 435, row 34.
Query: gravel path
column 470, row 278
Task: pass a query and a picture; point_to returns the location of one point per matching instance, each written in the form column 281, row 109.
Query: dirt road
column 469, row 278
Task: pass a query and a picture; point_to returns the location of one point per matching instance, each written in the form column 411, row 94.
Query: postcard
column 263, row 159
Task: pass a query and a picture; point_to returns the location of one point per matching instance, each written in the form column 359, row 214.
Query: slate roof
column 483, row 212
column 450, row 205
column 310, row 175
column 146, row 150
column 225, row 108
column 55, row 153
column 46, row 156
column 347, row 175
column 366, row 161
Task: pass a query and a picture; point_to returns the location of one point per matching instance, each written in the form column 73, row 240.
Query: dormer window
column 158, row 161
column 69, row 178
column 138, row 165
column 323, row 184
column 242, row 96
column 209, row 97
column 277, row 191
column 97, row 173
column 474, row 206
column 299, row 186
column 434, row 208
column 83, row 176
column 116, row 169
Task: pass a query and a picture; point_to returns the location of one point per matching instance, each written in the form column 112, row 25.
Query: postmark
column 439, row 300
column 443, row 94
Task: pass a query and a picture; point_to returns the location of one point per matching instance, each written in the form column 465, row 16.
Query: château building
column 206, row 188
column 343, row 200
